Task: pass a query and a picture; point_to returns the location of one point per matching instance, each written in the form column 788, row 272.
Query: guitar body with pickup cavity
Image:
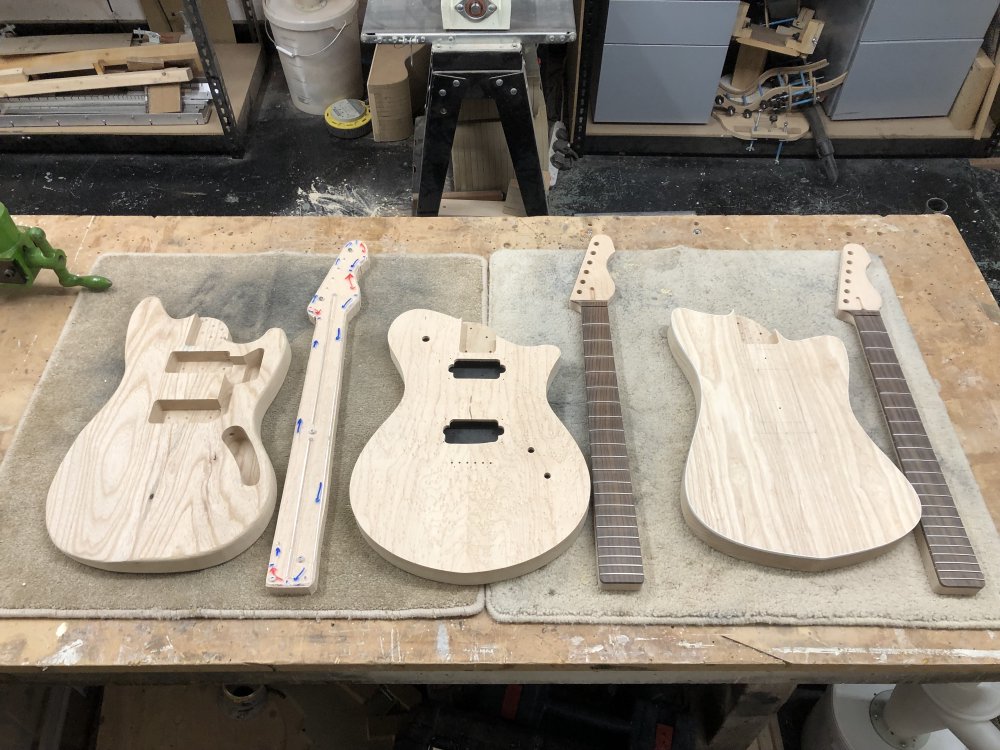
column 473, row 478
column 779, row 471
column 171, row 474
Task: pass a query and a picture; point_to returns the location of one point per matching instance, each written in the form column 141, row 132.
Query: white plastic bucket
column 319, row 44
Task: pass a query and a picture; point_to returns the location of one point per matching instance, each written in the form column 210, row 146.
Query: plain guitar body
column 779, row 471
column 473, row 478
column 171, row 475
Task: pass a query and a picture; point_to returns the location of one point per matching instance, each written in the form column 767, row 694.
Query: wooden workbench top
column 949, row 307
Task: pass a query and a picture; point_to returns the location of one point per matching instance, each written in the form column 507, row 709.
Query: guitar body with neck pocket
column 473, row 478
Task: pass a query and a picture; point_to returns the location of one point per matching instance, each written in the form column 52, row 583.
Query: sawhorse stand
column 478, row 71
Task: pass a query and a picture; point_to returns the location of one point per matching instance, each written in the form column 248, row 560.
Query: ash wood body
column 948, row 306
column 616, row 527
column 294, row 559
column 469, row 513
column 948, row 554
column 779, row 471
column 171, row 475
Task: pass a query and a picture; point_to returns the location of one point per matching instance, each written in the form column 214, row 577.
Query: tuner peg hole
column 850, row 262
column 547, row 475
column 531, row 450
column 579, row 291
column 425, row 338
column 596, row 243
column 593, row 252
column 850, row 252
column 590, row 262
column 846, row 301
column 586, row 270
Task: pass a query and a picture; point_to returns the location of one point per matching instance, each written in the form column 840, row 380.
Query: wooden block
column 134, row 64
column 43, row 45
column 749, row 65
column 983, row 119
column 12, row 75
column 171, row 475
column 504, row 490
column 94, row 82
column 779, row 471
column 970, row 97
column 165, row 97
column 395, row 74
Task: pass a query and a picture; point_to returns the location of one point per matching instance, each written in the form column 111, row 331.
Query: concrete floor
column 293, row 167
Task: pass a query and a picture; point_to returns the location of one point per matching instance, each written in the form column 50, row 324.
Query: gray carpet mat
column 688, row 582
column 250, row 293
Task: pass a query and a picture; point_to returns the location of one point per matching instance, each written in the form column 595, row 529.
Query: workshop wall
column 12, row 11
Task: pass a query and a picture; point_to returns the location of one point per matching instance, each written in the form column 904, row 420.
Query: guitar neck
column 942, row 535
column 619, row 555
column 294, row 562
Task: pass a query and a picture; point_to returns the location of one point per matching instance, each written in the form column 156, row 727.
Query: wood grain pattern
column 947, row 303
column 779, row 471
column 171, row 475
column 616, row 527
column 294, row 563
column 469, row 512
column 944, row 544
column 94, row 82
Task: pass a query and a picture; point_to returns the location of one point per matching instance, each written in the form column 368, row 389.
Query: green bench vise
column 24, row 251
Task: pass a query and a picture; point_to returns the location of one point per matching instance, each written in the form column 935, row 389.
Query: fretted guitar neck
column 941, row 533
column 951, row 561
column 616, row 529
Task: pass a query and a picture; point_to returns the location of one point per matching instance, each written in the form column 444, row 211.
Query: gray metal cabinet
column 904, row 58
column 662, row 59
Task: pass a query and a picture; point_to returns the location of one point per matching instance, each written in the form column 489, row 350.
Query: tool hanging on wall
column 24, row 251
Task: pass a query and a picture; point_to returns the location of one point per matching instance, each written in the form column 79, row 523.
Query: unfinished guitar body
column 171, row 475
column 779, row 471
column 473, row 478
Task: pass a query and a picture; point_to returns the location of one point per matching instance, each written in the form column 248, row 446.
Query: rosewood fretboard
column 941, row 532
column 619, row 555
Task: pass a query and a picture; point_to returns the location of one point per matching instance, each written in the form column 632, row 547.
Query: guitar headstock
column 855, row 292
column 340, row 290
column 594, row 282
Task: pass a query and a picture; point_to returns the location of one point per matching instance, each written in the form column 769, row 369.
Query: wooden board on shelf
column 108, row 57
column 95, row 82
column 970, row 97
column 43, row 45
column 241, row 65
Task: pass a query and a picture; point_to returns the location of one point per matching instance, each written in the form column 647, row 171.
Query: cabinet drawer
column 903, row 79
column 681, row 22
column 658, row 83
column 902, row 20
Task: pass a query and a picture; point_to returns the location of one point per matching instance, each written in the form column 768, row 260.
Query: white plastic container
column 319, row 44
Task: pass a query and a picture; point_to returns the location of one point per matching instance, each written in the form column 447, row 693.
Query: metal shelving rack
column 231, row 141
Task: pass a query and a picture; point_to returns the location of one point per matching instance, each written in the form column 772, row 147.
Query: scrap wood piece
column 108, row 57
column 798, row 39
column 164, row 97
column 94, row 82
